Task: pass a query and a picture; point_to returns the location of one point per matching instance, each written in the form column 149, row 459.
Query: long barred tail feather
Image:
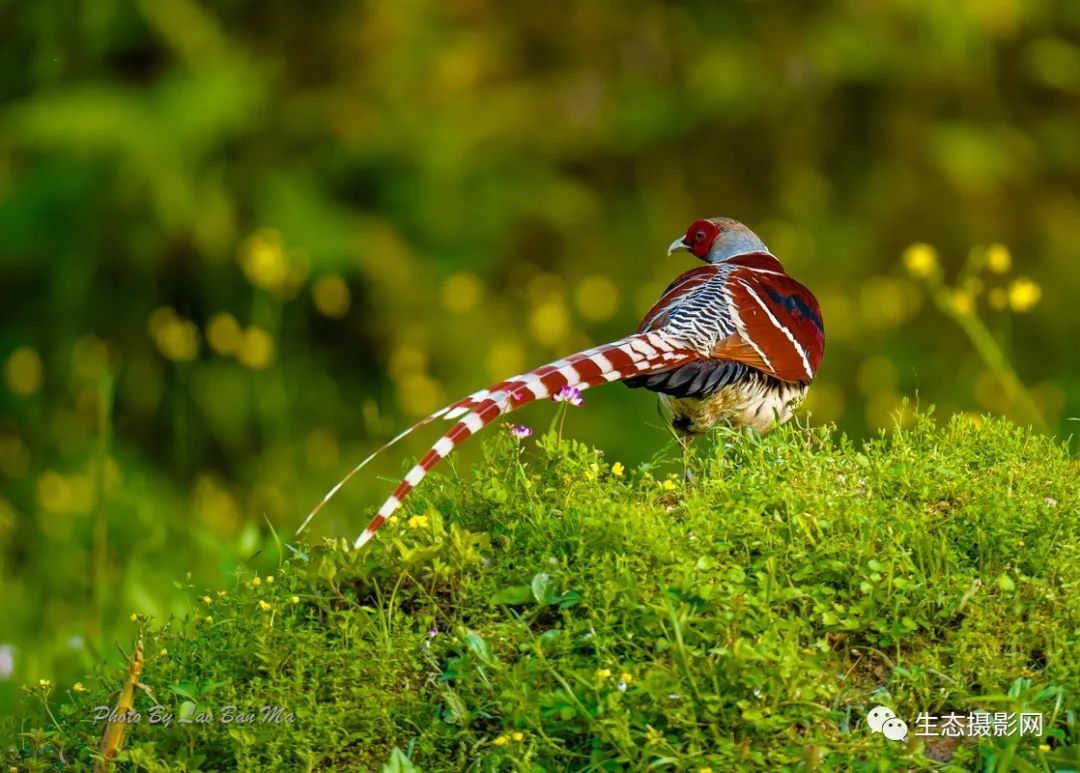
column 453, row 411
column 636, row 355
column 353, row 472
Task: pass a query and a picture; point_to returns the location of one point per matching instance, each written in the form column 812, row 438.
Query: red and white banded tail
column 635, row 355
column 454, row 411
column 353, row 472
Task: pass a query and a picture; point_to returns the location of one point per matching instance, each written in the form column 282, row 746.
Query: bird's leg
column 685, row 439
column 681, row 436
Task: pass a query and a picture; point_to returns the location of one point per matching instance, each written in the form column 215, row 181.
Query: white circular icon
column 895, row 729
column 877, row 716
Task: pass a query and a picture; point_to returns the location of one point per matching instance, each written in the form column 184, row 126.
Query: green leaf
column 542, row 589
column 515, row 594
column 569, row 599
column 398, row 763
column 550, row 636
column 480, row 648
column 187, row 711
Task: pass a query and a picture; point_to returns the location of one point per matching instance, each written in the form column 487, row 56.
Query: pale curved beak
column 678, row 246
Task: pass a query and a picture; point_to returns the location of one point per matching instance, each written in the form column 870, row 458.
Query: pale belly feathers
column 755, row 403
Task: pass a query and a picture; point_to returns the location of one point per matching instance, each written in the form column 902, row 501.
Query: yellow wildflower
column 1024, row 294
column 206, row 600
column 164, row 653
column 1044, row 747
column 998, row 258
column 135, row 617
column 668, row 485
column 419, row 522
column 256, row 581
column 617, row 469
column 265, row 605
column 704, row 770
column 295, row 599
column 962, row 302
column 221, row 593
column 625, row 677
column 44, row 684
column 501, row 740
column 518, row 736
column 270, row 579
column 603, row 673
column 392, row 520
column 78, row 687
column 209, row 620
column 921, row 260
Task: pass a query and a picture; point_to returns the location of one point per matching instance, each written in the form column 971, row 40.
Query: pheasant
column 736, row 340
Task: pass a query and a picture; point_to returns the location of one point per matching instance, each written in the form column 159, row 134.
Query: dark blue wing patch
column 796, row 306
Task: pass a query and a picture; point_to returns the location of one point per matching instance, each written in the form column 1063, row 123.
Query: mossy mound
column 553, row 611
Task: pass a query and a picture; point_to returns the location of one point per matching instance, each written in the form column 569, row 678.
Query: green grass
column 591, row 621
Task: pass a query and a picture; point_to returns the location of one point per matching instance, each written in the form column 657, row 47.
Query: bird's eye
column 699, row 236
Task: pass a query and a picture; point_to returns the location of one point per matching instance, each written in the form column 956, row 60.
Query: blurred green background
column 242, row 243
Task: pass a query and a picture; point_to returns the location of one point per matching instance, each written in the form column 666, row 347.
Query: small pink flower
column 569, row 394
column 520, row 430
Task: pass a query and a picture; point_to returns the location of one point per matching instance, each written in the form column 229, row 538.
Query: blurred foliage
column 241, row 243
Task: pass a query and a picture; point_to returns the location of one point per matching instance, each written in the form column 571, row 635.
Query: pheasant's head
column 718, row 239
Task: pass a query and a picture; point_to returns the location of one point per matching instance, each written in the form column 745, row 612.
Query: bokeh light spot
column 321, row 449
column 407, row 361
column 23, row 371
column 90, row 357
column 331, row 296
column 53, row 492
column 257, row 350
column 876, row 374
column 262, row 258
column 216, row 506
column 223, row 333
column 597, row 298
column 998, row 258
column 505, row 359
column 14, row 457
column 1024, row 295
column 549, row 322
column 886, row 302
column 461, row 292
column 419, row 395
column 824, row 401
column 921, row 260
column 177, row 339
